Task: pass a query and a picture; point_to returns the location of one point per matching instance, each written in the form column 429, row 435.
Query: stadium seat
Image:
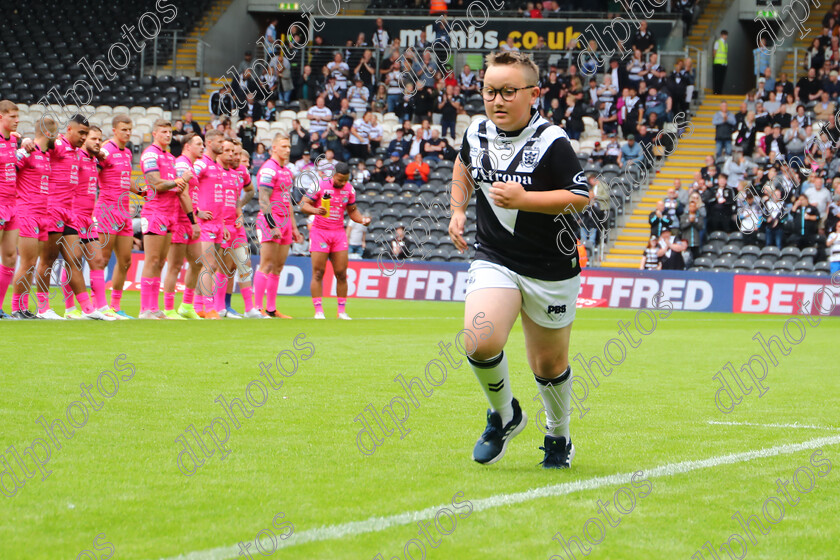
column 792, row 252
column 744, row 263
column 723, row 262
column 806, row 264
column 822, row 266
column 750, row 250
column 703, row 262
column 809, row 252
column 783, row 264
column 730, row 250
column 771, row 251
column 736, row 237
column 711, row 248
column 718, row 236
column 763, row 264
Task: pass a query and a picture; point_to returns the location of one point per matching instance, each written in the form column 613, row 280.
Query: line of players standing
column 68, row 194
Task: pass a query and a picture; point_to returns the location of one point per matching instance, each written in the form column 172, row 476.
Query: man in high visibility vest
column 720, row 62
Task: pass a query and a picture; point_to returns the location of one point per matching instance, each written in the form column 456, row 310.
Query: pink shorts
column 264, row 232
column 59, row 217
column 8, row 220
column 211, row 232
column 182, row 232
column 114, row 223
column 33, row 226
column 83, row 223
column 238, row 237
column 327, row 240
column 157, row 223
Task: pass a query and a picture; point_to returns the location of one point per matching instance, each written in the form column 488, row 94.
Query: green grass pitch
column 118, row 477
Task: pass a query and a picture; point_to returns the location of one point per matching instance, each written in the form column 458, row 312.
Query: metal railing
column 162, row 55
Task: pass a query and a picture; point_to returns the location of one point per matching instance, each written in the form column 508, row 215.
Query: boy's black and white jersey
column 541, row 158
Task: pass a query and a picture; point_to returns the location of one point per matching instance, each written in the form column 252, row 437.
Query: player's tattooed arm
column 307, row 206
column 159, row 185
column 247, row 194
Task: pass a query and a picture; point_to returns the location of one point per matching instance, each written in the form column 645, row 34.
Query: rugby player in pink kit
column 327, row 237
column 81, row 242
column 8, row 189
column 64, row 182
column 276, row 227
column 185, row 238
column 160, row 215
column 112, row 216
column 211, row 177
column 237, row 254
column 33, row 180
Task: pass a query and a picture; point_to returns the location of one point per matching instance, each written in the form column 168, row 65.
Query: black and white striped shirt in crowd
column 651, row 259
column 541, row 158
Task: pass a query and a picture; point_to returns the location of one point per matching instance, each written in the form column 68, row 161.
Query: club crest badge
column 530, row 156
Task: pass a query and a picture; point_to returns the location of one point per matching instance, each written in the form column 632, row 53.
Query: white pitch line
column 376, row 524
column 794, row 425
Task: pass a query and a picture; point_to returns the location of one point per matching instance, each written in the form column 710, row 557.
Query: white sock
column 556, row 397
column 495, row 382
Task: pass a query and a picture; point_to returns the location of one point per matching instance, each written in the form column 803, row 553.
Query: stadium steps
column 701, row 31
column 688, row 158
column 187, row 58
column 198, row 103
column 814, row 25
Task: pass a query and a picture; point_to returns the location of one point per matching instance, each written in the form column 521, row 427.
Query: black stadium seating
column 43, row 42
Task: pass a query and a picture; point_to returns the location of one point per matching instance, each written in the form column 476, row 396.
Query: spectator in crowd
column 692, row 224
column 356, row 238
column 819, row 196
column 360, row 175
column 650, row 257
column 592, row 220
column 299, row 140
column 644, row 39
column 319, row 116
column 448, row 109
column 247, row 133
column 833, row 243
column 574, row 114
column 673, row 206
column 671, row 251
column 379, row 103
column 434, row 147
column 395, row 172
column 749, row 218
column 720, row 207
column 659, row 220
column 178, row 135
column 761, row 57
column 375, row 133
column 358, row 96
column 190, row 125
column 245, row 63
column 398, row 143
column 379, row 172
column 221, row 102
column 808, row 87
column 805, row 218
column 773, row 143
column 794, row 139
column 252, row 108
column 284, row 76
column 258, row 157
column 775, row 211
column 401, row 247
column 737, row 167
column 359, row 142
column 724, row 123
column 380, row 38
column 417, row 171
column 307, row 88
column 468, row 79
column 630, row 152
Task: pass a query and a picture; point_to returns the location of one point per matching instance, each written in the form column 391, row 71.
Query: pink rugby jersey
column 340, row 199
column 33, row 181
column 210, row 187
column 64, row 173
column 278, row 178
column 155, row 159
column 8, row 171
column 240, row 178
column 182, row 165
column 85, row 198
column 114, row 176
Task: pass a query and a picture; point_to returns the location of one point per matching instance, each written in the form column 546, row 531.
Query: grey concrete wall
column 234, row 33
